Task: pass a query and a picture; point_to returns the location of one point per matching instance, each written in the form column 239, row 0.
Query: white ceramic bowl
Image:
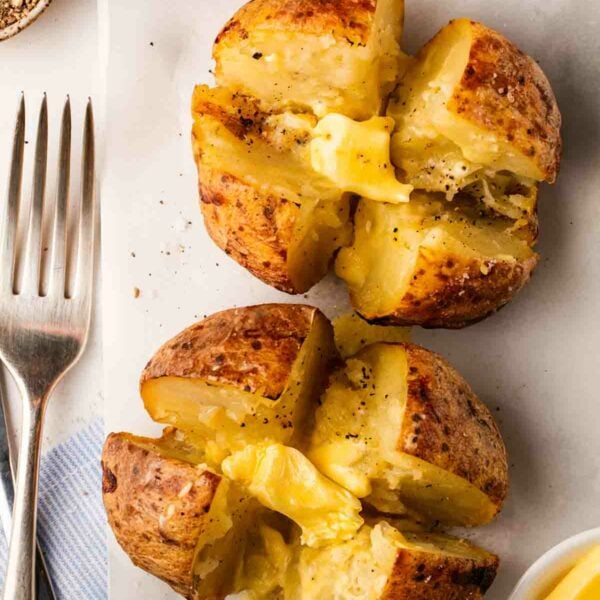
column 555, row 564
column 18, row 26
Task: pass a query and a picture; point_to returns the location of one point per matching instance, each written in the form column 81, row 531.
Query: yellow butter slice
column 355, row 156
column 582, row 582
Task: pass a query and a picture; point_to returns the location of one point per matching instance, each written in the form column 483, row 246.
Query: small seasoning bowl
column 27, row 19
column 537, row 583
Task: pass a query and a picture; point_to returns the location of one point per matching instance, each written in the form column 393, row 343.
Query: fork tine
column 31, row 272
column 13, row 200
column 59, row 240
column 87, row 223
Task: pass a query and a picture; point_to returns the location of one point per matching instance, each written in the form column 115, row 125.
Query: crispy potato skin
column 447, row 425
column 505, row 91
column 425, row 576
column 253, row 228
column 239, row 113
column 452, row 291
column 139, row 488
column 264, row 339
column 347, row 20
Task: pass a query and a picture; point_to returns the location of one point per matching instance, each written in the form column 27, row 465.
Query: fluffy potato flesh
column 266, row 561
column 432, row 262
column 380, row 563
column 365, row 439
column 473, row 108
column 232, row 516
column 320, row 56
column 321, row 229
column 353, row 334
column 279, row 356
column 284, row 480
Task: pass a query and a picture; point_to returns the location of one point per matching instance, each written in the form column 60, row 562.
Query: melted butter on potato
column 284, row 480
column 360, row 566
column 368, row 438
column 355, row 156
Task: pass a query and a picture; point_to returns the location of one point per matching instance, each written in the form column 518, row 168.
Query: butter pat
column 355, row 156
column 284, row 480
column 339, row 461
column 583, row 582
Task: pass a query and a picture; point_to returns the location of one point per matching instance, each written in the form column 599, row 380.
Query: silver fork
column 42, row 334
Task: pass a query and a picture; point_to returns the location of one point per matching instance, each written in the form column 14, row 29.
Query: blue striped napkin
column 71, row 521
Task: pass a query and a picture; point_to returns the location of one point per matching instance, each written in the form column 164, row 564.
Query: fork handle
column 20, row 576
column 8, row 466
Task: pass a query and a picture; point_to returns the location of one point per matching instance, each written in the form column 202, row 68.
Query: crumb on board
column 180, row 225
column 136, row 292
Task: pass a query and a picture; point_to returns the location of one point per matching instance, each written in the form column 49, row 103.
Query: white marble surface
column 58, row 55
column 536, row 363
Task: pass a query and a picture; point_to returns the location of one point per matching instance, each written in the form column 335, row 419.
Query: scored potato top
column 450, row 427
column 348, row 20
column 503, row 90
column 165, row 502
column 252, row 348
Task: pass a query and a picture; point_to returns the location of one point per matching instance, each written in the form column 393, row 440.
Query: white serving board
column 536, row 363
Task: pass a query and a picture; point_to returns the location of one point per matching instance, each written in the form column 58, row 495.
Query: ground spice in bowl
column 15, row 15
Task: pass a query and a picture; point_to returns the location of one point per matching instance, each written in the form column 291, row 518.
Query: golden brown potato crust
column 505, row 91
column 452, row 290
column 265, row 339
column 253, row 228
column 447, row 425
column 426, row 576
column 348, row 20
column 156, row 507
column 239, row 113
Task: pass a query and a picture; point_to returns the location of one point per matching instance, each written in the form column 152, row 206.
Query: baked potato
column 312, row 55
column 381, row 563
column 401, row 428
column 471, row 106
column 445, row 185
column 242, row 376
column 262, row 203
column 176, row 518
column 477, row 127
column 432, row 263
column 196, row 530
column 281, row 459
